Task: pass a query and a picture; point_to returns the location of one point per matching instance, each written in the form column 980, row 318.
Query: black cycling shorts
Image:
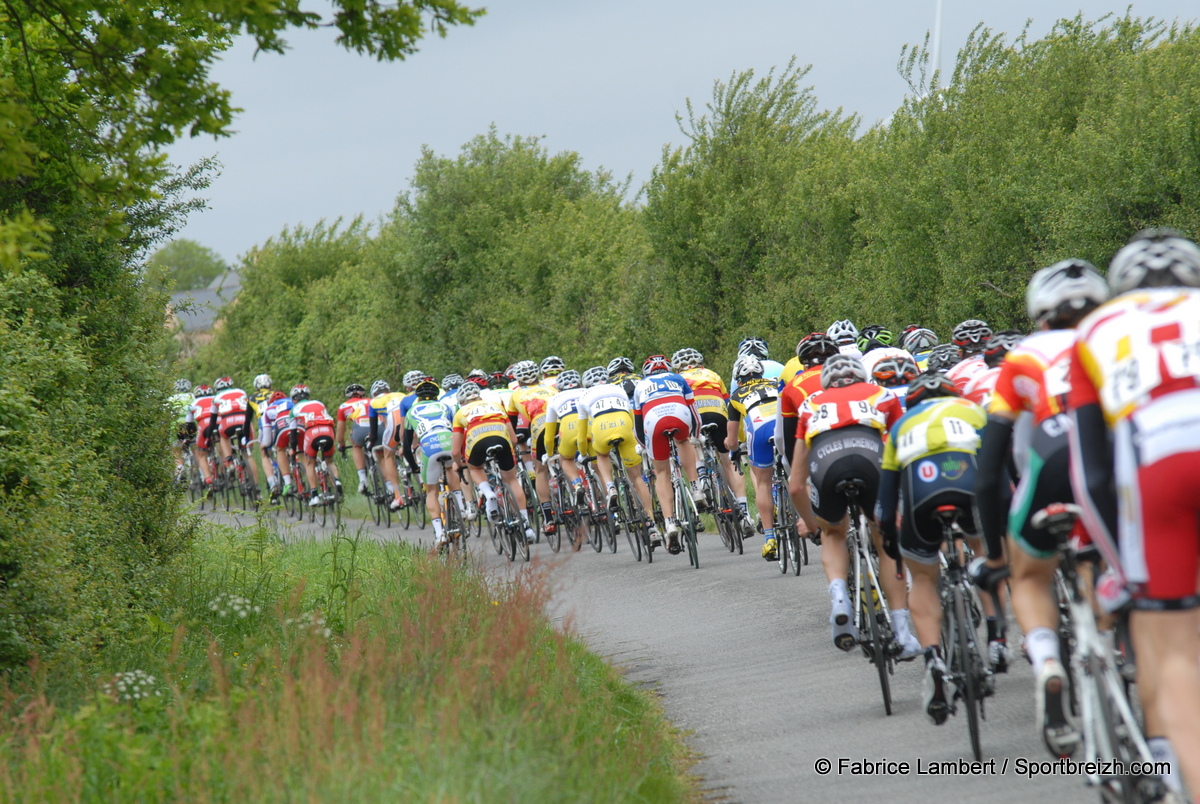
column 848, row 453
column 505, row 460
column 947, row 478
column 1045, row 479
column 722, row 430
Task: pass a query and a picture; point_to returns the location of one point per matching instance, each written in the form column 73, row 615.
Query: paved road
column 743, row 660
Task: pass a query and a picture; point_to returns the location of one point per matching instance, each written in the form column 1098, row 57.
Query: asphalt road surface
column 744, row 662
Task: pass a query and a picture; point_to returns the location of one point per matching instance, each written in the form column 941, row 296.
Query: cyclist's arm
column 407, row 448
column 373, row 426
column 340, row 434
column 731, row 432
column 549, row 431
column 456, row 447
column 993, row 494
column 1092, row 460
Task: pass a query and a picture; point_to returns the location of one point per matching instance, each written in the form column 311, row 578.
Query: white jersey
column 601, row 399
column 563, row 404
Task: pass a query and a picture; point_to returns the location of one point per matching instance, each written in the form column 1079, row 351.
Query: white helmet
column 525, row 372
column 1155, row 258
column 596, row 375
column 467, row 392
column 411, row 379
column 1067, row 287
column 262, row 382
column 842, row 370
column 843, row 332
column 747, row 367
column 918, row 340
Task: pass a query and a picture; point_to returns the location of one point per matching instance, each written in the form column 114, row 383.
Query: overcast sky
column 325, row 133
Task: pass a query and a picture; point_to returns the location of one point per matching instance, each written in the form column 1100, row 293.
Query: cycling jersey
column 708, row 390
column 275, row 423
column 381, row 414
column 663, row 401
column 355, row 412
column 790, row 370
column 861, row 403
column 964, row 371
column 942, row 424
column 528, row 406
column 980, row 387
column 1138, row 359
column 497, row 396
column 431, row 422
column 627, row 382
column 235, row 410
column 605, row 415
column 202, row 413
column 562, row 420
column 477, row 420
column 310, row 418
column 754, row 406
column 772, row 370
column 180, row 405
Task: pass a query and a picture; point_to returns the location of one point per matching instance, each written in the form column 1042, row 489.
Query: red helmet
column 656, row 363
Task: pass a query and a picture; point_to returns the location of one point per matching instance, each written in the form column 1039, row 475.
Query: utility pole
column 937, row 45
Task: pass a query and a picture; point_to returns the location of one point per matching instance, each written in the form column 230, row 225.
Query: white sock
column 437, row 527
column 1042, row 645
column 271, row 481
column 391, row 488
column 1162, row 751
column 458, row 497
column 287, row 481
column 485, row 488
column 900, row 623
column 362, row 476
column 838, row 591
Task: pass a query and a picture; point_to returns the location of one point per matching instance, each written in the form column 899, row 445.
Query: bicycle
column 721, row 500
column 601, row 521
column 966, row 664
column 564, row 508
column 1111, row 735
column 190, row 476
column 452, row 518
column 871, row 615
column 414, row 503
column 299, row 493
column 792, row 547
column 529, row 486
column 378, row 498
column 246, row 486
column 685, row 507
column 327, row 491
column 508, row 516
column 631, row 514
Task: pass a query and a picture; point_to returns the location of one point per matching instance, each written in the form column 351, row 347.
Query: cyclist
column 497, row 391
column 812, row 352
column 551, row 367
column 275, row 434
column 970, row 337
column 354, row 415
column 527, row 413
column 942, row 358
column 180, row 403
column 1135, row 384
column 382, row 413
column 979, row 388
column 929, row 461
column 429, row 426
column 917, row 341
column 753, row 408
column 711, row 400
column 663, row 401
column 236, row 415
column 479, row 425
column 620, row 372
column 757, row 347
column 845, row 335
column 203, row 415
column 606, row 415
column 262, row 391
column 840, row 429
column 895, row 372
column 874, row 336
column 450, row 385
column 311, row 420
column 562, row 422
column 1033, row 381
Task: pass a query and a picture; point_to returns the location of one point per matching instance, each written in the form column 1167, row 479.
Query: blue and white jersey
column 429, row 416
column 277, row 415
column 659, row 389
column 772, row 370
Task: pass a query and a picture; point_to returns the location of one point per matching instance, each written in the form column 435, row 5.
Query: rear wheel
column 872, row 602
column 793, row 544
column 323, row 485
column 967, row 659
column 453, row 525
column 375, row 490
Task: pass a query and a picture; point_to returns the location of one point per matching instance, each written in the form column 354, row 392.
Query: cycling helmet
column 596, row 375
column 620, row 365
column 428, row 389
column 569, row 379
column 892, row 372
column 1067, row 290
column 753, row 346
column 468, row 392
column 525, row 372
column 262, row 382
column 815, row 348
column 929, row 385
column 843, row 332
column 221, row 383
column 380, row 387
column 686, row 358
column 182, row 386
column 498, row 380
column 477, row 374
column 918, row 339
column 875, row 336
column 1000, row 344
column 970, row 336
column 202, row 390
column 1155, row 258
column 943, row 357
column 747, row 367
column 451, row 382
column 278, row 395
column 842, row 370
column 655, row 363
column 355, row 389
column 299, row 392
column 552, row 365
column 411, row 379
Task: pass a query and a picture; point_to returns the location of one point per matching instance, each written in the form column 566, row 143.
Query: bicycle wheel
column 687, row 522
column 531, row 499
column 967, row 669
column 375, row 489
column 515, row 525
column 422, row 512
column 803, row 549
column 633, row 536
column 595, row 529
column 405, row 515
column 793, row 548
column 494, row 533
column 872, row 598
column 323, row 486
column 452, row 525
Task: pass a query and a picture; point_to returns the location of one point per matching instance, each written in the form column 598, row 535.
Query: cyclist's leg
column 761, row 457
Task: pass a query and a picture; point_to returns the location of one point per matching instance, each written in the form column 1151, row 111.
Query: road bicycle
column 1111, row 734
column 378, row 498
column 529, row 486
column 568, row 518
column 296, row 501
column 276, row 476
column 508, row 521
column 328, row 495
column 872, row 620
column 603, row 530
column 414, row 502
column 966, row 663
column 190, row 477
column 452, row 516
column 716, row 488
column 686, row 514
column 631, row 514
column 474, row 525
column 792, row 548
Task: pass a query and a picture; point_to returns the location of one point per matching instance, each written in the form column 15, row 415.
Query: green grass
column 343, row 670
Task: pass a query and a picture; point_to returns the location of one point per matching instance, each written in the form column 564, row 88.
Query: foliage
column 348, row 671
column 186, row 265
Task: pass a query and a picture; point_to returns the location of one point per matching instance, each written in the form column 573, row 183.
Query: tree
column 186, row 265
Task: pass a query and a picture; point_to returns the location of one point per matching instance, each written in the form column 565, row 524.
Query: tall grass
column 342, row 671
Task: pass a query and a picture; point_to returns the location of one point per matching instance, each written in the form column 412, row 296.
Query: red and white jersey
column 662, row 389
column 231, row 401
column 355, row 411
column 1033, row 376
column 965, row 371
column 201, row 410
column 979, row 388
column 1136, row 349
column 862, row 403
column 310, row 413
